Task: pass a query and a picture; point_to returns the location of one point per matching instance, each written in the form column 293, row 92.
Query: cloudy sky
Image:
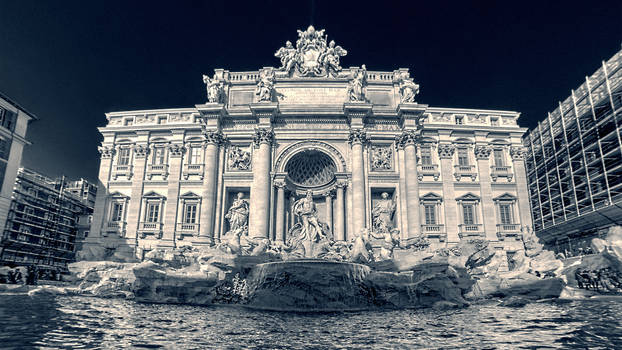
column 69, row 63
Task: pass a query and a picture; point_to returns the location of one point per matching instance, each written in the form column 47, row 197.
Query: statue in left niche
column 265, row 86
column 215, row 89
column 238, row 215
column 357, row 86
column 382, row 214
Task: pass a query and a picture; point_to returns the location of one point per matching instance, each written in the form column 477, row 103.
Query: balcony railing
column 192, row 169
column 121, row 170
column 157, row 169
column 434, row 231
column 501, row 171
column 508, row 231
column 154, row 228
column 115, row 227
column 465, row 170
column 428, row 170
column 187, row 229
column 470, row 230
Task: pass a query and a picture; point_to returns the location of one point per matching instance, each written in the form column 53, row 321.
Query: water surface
column 50, row 322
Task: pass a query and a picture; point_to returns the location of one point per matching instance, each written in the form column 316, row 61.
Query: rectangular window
column 159, row 154
column 195, row 155
column 153, row 212
column 494, row 121
column 117, row 212
column 426, row 156
column 124, row 156
column 463, row 156
column 430, row 214
column 505, row 213
column 190, row 216
column 499, row 157
column 459, row 120
column 468, row 214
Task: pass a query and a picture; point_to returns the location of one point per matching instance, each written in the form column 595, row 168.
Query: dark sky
column 69, row 62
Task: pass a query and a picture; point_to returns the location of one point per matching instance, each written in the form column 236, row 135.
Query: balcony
column 117, row 227
column 501, row 171
column 508, row 231
column 192, row 169
column 465, row 170
column 187, row 229
column 150, row 228
column 157, row 169
column 434, row 231
column 121, row 170
column 470, row 231
column 428, row 170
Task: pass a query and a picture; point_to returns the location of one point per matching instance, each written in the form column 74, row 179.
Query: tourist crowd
column 605, row 280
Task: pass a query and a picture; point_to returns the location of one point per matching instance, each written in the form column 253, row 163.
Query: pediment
column 468, row 197
column 431, row 197
column 505, row 197
column 190, row 195
column 152, row 194
column 117, row 194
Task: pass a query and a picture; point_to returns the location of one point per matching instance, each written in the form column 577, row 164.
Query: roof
column 18, row 106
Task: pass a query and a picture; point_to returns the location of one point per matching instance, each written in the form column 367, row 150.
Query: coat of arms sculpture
column 312, row 56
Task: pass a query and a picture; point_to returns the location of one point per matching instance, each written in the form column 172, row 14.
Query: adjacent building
column 42, row 224
column 14, row 121
column 351, row 137
column 574, row 163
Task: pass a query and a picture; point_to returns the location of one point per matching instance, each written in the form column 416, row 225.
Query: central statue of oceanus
column 309, row 237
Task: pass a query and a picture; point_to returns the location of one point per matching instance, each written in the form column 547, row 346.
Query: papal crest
column 312, row 56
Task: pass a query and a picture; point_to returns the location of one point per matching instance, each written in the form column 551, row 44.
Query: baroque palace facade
column 353, row 140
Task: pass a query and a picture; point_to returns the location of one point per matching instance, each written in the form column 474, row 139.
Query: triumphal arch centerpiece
column 309, row 150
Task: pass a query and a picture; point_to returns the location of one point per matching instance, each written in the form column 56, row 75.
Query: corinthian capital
column 357, row 136
column 106, row 151
column 263, row 135
column 517, row 153
column 213, row 137
column 446, row 150
column 482, row 151
column 407, row 138
column 176, row 150
column 141, row 151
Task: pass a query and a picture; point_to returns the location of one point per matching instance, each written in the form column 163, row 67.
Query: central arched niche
column 310, row 169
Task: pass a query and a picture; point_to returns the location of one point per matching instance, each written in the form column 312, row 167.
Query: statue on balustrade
column 214, row 89
column 265, row 86
column 356, row 86
column 308, row 235
column 289, row 57
column 408, row 89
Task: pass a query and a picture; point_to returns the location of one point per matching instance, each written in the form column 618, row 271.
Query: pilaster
column 212, row 142
column 445, row 154
column 141, row 153
column 520, row 174
column 482, row 154
column 107, row 152
column 408, row 139
column 357, row 139
column 259, row 220
column 176, row 155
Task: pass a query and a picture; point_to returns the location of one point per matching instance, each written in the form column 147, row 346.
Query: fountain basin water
column 310, row 285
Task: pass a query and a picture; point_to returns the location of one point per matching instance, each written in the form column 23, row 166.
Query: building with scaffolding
column 42, row 224
column 574, row 163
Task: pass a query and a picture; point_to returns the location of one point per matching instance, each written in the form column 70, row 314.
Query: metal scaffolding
column 574, row 158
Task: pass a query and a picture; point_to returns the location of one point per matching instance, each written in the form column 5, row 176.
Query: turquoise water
column 50, row 322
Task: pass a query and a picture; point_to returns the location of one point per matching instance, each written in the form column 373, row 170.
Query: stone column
column 292, row 215
column 520, row 174
column 357, row 139
column 339, row 231
column 329, row 211
column 101, row 200
column 445, row 154
column 280, row 211
column 407, row 140
column 259, row 220
column 482, row 153
column 213, row 139
column 141, row 152
column 176, row 152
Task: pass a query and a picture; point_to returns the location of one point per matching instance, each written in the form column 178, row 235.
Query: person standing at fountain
column 238, row 214
column 306, row 210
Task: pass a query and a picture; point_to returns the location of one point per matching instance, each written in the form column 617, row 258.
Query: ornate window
column 190, row 216
column 426, row 155
column 116, row 213
column 469, row 216
column 311, row 169
column 124, row 156
column 195, row 155
column 117, row 204
column 153, row 205
column 463, row 156
column 159, row 155
column 499, row 157
column 432, row 219
column 506, row 216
